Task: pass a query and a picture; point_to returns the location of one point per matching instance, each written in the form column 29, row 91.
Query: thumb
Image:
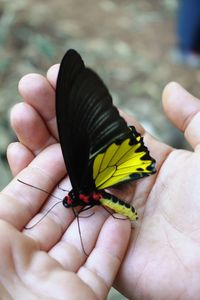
column 183, row 110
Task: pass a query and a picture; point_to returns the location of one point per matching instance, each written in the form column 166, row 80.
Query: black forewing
column 87, row 120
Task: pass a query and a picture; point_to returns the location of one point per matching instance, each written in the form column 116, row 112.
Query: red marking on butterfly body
column 75, row 199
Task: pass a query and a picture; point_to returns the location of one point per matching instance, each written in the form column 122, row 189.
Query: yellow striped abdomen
column 119, row 206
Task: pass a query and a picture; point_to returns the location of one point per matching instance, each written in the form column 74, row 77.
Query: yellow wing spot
column 138, row 138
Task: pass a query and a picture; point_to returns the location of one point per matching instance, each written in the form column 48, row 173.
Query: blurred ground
column 127, row 42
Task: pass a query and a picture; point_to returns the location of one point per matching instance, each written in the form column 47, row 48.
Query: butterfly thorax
column 75, row 198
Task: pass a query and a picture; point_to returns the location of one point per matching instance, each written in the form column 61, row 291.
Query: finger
column 183, row 110
column 103, row 263
column 18, row 157
column 19, row 202
column 38, row 92
column 23, row 264
column 30, row 127
column 52, row 74
column 72, row 238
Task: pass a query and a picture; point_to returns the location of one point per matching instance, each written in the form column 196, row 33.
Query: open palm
column 162, row 260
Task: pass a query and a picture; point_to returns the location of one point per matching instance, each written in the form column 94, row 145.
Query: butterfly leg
column 113, row 214
column 79, row 230
column 84, row 209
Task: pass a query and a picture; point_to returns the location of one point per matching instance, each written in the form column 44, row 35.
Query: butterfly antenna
column 79, row 230
column 84, row 209
column 37, row 188
column 47, row 212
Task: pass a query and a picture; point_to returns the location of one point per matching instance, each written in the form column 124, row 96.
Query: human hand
column 47, row 261
column 165, row 240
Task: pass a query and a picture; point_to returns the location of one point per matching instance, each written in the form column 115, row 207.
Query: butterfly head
column 67, row 202
column 72, row 199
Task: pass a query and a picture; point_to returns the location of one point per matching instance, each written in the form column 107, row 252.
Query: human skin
column 160, row 261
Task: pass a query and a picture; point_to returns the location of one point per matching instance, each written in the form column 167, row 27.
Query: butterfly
column 99, row 149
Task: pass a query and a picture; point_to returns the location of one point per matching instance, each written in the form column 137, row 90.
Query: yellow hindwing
column 119, row 162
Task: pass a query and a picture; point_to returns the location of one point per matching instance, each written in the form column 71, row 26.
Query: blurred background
column 129, row 43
